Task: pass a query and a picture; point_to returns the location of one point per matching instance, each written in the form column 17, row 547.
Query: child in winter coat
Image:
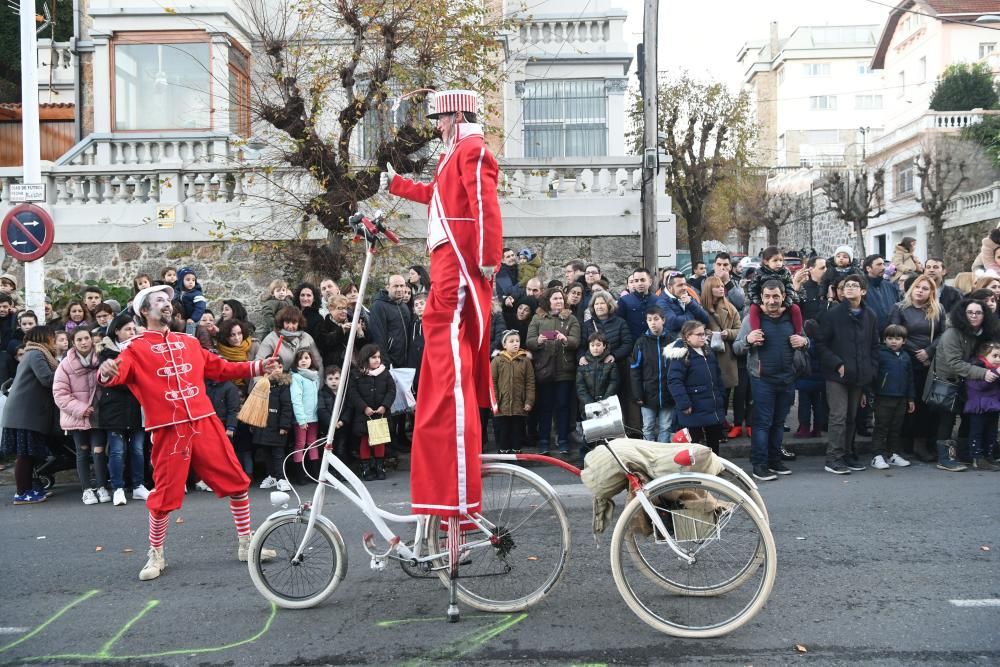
column 371, row 392
column 74, row 388
column 514, row 383
column 648, row 375
column 188, row 290
column 598, row 378
column 529, row 264
column 274, row 436
column 982, row 405
column 695, row 384
column 277, row 297
column 772, row 267
column 327, row 400
column 225, row 398
column 305, row 397
column 894, row 397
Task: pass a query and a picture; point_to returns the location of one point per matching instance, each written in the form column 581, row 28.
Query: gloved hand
column 488, row 271
column 385, row 178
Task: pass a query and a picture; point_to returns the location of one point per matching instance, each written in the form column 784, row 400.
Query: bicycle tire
column 533, row 548
column 303, row 585
column 679, row 609
column 736, row 475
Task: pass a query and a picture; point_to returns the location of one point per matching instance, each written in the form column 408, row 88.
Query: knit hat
column 844, row 249
column 183, row 272
column 115, row 306
column 10, row 277
column 507, row 334
column 527, row 253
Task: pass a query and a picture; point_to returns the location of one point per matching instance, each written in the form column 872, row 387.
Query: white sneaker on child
column 268, row 483
column 879, row 463
column 140, row 493
column 119, row 497
column 201, row 486
column 898, row 461
column 283, row 485
column 103, row 495
column 89, row 497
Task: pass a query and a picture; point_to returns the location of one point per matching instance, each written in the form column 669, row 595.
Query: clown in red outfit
column 166, row 371
column 464, row 233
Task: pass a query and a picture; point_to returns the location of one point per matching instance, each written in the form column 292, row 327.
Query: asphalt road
column 868, row 565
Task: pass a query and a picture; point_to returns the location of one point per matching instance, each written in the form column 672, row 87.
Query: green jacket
column 950, row 362
column 566, row 323
column 514, row 383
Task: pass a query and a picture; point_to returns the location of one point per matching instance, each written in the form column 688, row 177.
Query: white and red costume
column 464, row 233
column 166, row 371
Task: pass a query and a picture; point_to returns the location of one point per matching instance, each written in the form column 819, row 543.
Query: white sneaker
column 140, row 493
column 879, row 463
column 201, row 486
column 89, row 497
column 119, row 497
column 103, row 495
column 899, row 461
column 155, row 564
column 268, row 482
column 283, row 485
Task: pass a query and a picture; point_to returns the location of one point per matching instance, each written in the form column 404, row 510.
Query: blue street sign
column 27, row 232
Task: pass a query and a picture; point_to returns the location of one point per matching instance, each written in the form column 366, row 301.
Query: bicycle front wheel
column 302, row 583
column 525, row 554
column 716, row 524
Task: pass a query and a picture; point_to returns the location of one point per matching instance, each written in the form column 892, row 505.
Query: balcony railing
column 56, row 63
column 975, row 202
column 940, row 121
column 150, row 148
column 532, row 178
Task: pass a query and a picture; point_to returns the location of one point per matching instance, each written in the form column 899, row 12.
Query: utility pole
column 650, row 157
column 34, row 272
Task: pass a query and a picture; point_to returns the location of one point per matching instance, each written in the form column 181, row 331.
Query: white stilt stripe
column 988, row 602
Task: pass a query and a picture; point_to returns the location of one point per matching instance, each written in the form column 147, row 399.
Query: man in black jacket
column 508, row 289
column 389, row 321
column 947, row 295
column 8, row 327
column 848, row 350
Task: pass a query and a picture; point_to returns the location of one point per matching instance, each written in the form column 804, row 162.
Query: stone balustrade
column 583, row 30
column 56, row 63
column 985, row 201
column 531, row 178
column 941, row 121
column 141, row 148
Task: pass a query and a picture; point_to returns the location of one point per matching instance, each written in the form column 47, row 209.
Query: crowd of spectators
column 877, row 348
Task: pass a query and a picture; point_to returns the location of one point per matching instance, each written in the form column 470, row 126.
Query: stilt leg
column 454, row 542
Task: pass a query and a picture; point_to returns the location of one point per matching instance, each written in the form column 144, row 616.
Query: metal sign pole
column 34, row 272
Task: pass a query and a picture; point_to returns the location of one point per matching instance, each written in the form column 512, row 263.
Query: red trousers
column 455, row 382
column 201, row 445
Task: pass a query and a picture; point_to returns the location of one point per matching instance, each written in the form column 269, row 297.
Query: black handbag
column 801, row 362
column 945, row 395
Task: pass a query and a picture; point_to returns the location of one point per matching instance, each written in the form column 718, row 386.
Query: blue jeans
column 552, row 399
column 656, row 423
column 117, row 442
column 771, row 403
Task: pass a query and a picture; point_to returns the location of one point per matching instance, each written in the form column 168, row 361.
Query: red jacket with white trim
column 166, row 371
column 462, row 199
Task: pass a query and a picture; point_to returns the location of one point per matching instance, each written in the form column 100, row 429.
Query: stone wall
column 962, row 244
column 242, row 270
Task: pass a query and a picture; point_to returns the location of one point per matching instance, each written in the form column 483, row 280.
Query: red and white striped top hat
column 451, row 101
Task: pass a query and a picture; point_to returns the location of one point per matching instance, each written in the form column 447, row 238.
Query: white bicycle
column 504, row 558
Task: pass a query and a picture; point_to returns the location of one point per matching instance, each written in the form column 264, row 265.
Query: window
column 162, row 81
column 864, row 68
column 901, row 84
column 904, row 180
column 378, row 125
column 239, row 90
column 823, row 102
column 565, row 118
column 986, row 48
column 867, row 102
column 922, row 69
column 822, row 136
column 816, row 69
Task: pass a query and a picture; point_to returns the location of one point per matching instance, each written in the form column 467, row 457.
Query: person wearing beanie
column 191, row 297
column 166, row 372
column 840, row 265
column 529, row 264
column 464, row 238
column 8, row 285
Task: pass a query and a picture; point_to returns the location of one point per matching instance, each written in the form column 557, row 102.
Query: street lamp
column 864, row 141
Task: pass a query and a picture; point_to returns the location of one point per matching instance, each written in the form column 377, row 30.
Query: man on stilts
column 464, row 238
column 166, row 371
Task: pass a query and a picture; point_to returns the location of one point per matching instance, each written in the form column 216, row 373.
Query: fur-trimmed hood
column 282, row 379
column 676, row 350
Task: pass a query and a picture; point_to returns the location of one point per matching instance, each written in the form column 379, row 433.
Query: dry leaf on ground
column 801, row 649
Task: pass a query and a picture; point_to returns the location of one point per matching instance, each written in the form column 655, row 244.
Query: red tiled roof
column 47, row 110
column 965, row 10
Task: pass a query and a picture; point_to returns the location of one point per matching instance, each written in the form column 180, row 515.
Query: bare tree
column 941, row 177
column 771, row 210
column 331, row 73
column 707, row 129
column 855, row 200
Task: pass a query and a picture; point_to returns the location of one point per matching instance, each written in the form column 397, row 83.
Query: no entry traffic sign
column 27, row 232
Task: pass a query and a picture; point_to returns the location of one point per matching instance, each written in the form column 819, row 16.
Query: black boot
column 946, row 457
column 379, row 469
column 367, row 473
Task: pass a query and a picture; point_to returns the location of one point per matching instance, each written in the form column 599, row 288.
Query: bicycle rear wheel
column 734, row 567
column 526, row 553
column 297, row 584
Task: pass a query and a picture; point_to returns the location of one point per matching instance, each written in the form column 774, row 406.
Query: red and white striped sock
column 240, row 507
column 157, row 528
